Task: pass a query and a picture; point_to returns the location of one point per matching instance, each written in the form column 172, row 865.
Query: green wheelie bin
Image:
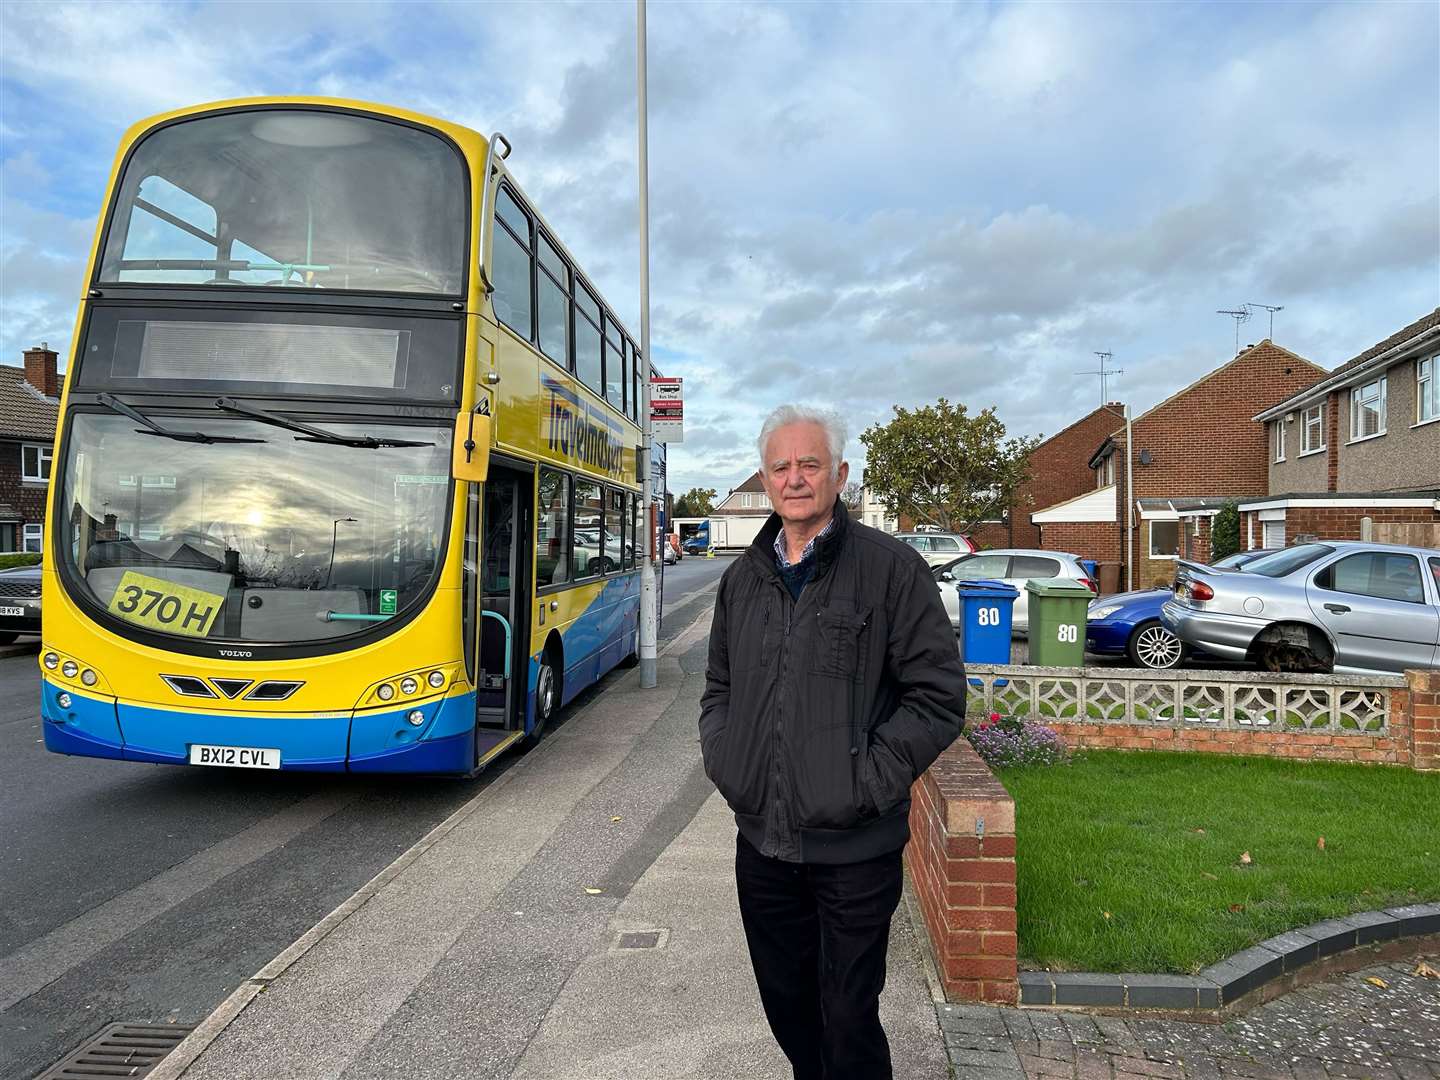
column 1057, row 622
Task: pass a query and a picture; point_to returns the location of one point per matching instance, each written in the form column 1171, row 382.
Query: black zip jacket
column 819, row 713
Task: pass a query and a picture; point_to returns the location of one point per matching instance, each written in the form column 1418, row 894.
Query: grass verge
column 1133, row 861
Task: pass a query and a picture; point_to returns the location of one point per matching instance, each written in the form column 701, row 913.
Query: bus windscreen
column 296, row 198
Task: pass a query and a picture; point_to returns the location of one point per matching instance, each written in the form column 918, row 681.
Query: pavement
column 577, row 920
column 495, row 948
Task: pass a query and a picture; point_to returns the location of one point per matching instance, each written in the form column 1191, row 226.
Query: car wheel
column 1152, row 646
column 547, row 697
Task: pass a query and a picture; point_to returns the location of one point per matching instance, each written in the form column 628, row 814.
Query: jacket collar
column 762, row 548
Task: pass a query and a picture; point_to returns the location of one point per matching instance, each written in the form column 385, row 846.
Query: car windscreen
column 1288, row 561
column 296, row 198
column 275, row 540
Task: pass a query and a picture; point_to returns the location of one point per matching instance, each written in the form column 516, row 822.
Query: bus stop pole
column 649, row 623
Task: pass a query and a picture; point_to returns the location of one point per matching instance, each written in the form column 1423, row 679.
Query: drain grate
column 120, row 1050
column 646, row 940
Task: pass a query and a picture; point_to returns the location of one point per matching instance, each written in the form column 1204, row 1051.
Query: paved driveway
column 1347, row 1027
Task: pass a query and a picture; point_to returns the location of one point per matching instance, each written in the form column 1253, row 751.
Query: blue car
column 1129, row 623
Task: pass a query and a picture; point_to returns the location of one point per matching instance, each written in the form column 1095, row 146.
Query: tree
column 938, row 465
column 697, row 502
column 853, row 495
column 1225, row 531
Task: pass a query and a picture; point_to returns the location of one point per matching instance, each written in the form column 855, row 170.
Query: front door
column 504, row 594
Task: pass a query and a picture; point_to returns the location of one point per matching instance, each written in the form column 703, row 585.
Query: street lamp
column 334, row 535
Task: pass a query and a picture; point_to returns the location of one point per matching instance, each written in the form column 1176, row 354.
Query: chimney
column 40, row 370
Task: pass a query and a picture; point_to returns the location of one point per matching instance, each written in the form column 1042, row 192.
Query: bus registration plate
column 238, row 757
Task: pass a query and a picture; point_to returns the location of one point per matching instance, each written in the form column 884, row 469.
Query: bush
column 1005, row 742
column 1225, row 531
column 7, row 561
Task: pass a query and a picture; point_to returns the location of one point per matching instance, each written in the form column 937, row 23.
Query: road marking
column 34, row 966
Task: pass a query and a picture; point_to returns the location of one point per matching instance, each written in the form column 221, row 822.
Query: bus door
column 503, row 630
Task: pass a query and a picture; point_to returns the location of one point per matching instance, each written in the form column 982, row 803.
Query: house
column 1362, row 442
column 1191, row 453
column 29, row 411
column 746, row 500
column 1059, row 472
column 872, row 511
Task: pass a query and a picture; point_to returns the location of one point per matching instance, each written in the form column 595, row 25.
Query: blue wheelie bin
column 986, row 608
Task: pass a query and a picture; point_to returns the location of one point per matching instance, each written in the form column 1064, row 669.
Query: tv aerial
column 1271, row 308
column 1105, row 357
column 1240, row 316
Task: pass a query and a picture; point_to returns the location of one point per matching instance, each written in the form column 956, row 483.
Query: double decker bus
column 346, row 473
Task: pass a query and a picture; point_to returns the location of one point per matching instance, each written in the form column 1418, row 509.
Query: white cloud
column 860, row 205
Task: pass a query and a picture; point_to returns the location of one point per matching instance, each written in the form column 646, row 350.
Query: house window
column 32, row 538
column 1367, row 410
column 1313, row 437
column 1110, row 469
column 745, row 499
column 1279, row 440
column 35, row 463
column 1427, row 390
column 1164, row 539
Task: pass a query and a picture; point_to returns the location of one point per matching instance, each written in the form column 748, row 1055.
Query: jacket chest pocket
column 838, row 640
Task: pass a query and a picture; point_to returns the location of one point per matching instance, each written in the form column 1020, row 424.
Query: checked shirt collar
column 783, row 561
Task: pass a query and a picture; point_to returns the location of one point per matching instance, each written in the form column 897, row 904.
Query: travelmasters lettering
column 581, row 432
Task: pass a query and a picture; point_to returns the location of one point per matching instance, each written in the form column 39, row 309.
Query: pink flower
column 994, row 717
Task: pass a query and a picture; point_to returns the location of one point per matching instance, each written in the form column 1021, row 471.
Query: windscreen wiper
column 152, row 428
column 312, row 434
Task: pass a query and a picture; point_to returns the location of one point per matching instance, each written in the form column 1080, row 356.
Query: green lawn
column 1155, row 840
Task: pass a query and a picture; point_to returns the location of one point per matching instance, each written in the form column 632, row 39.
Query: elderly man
column 833, row 683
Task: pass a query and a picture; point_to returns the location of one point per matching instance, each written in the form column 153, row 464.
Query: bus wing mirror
column 470, row 453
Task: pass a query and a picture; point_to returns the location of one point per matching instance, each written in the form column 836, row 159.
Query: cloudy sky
column 853, row 205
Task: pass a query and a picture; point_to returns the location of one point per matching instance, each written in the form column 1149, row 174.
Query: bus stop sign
column 667, row 409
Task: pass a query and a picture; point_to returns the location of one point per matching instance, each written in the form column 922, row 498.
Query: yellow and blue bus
column 346, row 473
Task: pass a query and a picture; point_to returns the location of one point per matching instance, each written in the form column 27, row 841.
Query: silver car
column 937, row 548
column 1013, row 566
column 1338, row 606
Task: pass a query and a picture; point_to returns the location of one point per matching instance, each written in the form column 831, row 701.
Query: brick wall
column 26, row 499
column 1059, row 470
column 1393, row 749
column 1422, row 702
column 1203, row 442
column 1335, row 522
column 1096, row 540
column 961, row 859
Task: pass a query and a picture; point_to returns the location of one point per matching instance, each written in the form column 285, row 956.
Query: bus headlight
column 436, row 679
column 62, row 699
column 386, row 692
column 408, row 685
column 416, row 717
column 52, row 661
column 89, row 678
column 70, row 669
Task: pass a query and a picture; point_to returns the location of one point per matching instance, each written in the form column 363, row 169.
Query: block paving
column 1346, row 1028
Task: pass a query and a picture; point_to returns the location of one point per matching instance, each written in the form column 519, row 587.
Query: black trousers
column 818, row 936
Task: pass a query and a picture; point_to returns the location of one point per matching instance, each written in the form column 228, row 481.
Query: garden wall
column 961, row 859
column 1383, row 719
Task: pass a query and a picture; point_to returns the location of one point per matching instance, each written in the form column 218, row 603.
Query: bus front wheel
column 547, row 695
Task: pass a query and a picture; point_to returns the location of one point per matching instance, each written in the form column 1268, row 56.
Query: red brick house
column 1058, row 472
column 1362, row 443
column 1191, row 453
column 29, row 410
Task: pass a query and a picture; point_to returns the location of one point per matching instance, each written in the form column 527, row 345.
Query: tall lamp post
column 649, row 623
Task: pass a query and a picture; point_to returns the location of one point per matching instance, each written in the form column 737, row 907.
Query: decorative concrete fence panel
column 1342, row 717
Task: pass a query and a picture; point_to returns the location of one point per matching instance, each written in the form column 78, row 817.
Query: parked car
column 668, row 556
column 1129, row 623
column 694, row 545
column 1013, row 566
column 19, row 602
column 937, row 547
column 1342, row 606
column 672, row 541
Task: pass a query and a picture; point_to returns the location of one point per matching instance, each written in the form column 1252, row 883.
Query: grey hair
column 830, row 422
